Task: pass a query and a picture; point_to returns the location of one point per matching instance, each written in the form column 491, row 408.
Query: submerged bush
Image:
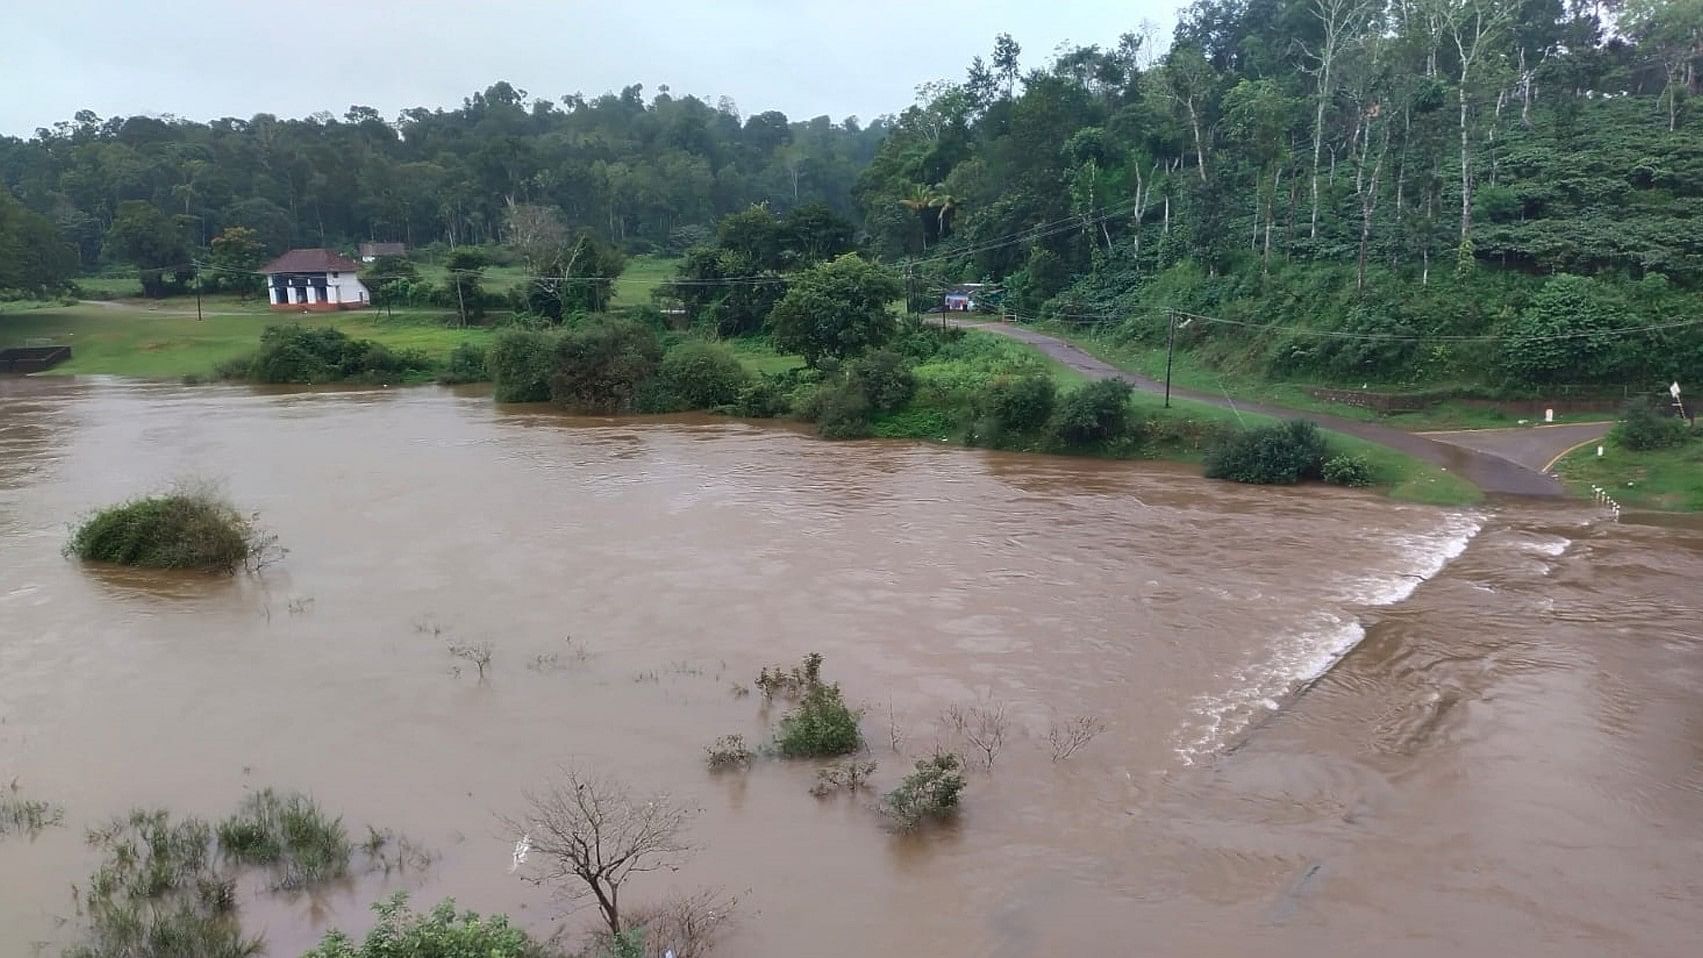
column 289, row 832
column 727, row 753
column 821, row 726
column 601, row 367
column 184, row 529
column 466, row 364
column 1644, row 427
column 520, row 362
column 1093, row 414
column 1274, row 455
column 696, row 374
column 1352, row 471
column 441, row 933
column 929, row 792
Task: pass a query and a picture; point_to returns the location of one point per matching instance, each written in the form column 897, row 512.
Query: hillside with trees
column 1437, row 191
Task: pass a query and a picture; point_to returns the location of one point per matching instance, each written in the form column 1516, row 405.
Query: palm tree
column 921, row 201
column 947, row 204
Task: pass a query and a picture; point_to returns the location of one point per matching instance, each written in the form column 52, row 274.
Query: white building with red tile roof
column 314, row 279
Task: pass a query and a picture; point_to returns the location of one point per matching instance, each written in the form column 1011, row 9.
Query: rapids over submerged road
column 1503, row 461
column 1496, row 753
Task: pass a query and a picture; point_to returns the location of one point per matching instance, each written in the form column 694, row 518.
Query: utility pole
column 1170, row 348
column 198, row 292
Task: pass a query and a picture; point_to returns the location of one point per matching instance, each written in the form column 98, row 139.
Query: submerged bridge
column 1504, row 461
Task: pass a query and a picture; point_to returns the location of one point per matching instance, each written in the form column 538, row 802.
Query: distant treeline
column 633, row 171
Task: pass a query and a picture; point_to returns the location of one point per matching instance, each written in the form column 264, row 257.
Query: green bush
column 185, row 529
column 1093, row 414
column 822, row 725
column 1345, row 470
column 520, row 363
column 1644, row 427
column 602, row 366
column 1277, row 454
column 840, row 411
column 466, row 365
column 441, row 933
column 929, row 792
column 885, row 378
column 322, row 354
column 696, row 374
column 764, row 397
column 1019, row 405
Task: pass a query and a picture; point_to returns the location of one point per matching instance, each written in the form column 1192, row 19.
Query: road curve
column 1490, row 471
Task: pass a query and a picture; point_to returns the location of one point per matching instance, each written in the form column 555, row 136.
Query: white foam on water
column 1300, row 656
column 1553, row 548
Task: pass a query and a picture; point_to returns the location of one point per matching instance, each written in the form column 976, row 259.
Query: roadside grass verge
column 1187, row 372
column 1664, row 479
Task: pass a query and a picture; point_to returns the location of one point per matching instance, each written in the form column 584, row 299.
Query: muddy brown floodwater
column 1335, row 725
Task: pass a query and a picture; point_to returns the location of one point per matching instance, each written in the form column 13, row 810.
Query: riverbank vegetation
column 1650, row 460
column 189, row 527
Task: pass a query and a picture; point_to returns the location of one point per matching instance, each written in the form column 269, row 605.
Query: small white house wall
column 345, row 288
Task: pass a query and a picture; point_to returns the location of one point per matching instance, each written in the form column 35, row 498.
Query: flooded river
column 1330, row 720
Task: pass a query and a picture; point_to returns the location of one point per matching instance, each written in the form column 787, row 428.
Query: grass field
column 1666, row 479
column 170, row 343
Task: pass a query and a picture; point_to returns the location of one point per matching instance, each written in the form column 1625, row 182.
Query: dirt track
column 1502, row 461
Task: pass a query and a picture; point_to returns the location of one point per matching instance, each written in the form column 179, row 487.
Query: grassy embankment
column 1175, row 434
column 1188, row 372
column 1666, row 479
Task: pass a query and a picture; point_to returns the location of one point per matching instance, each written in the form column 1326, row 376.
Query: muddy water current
column 1334, row 725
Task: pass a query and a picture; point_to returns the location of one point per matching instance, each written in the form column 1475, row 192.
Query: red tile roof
column 311, row 261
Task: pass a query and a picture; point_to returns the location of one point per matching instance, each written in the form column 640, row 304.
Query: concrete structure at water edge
column 316, row 280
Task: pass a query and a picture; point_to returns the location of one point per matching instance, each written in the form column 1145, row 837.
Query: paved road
column 1504, row 461
column 1535, row 447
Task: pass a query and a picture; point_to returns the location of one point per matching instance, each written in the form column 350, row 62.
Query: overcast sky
column 202, row 59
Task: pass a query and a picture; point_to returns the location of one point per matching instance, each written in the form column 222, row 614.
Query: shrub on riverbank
column 695, row 374
column 323, row 354
column 1093, row 414
column 1278, row 454
column 520, row 365
column 184, row 529
column 466, row 364
column 600, row 367
column 1644, row 427
column 1352, row 471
